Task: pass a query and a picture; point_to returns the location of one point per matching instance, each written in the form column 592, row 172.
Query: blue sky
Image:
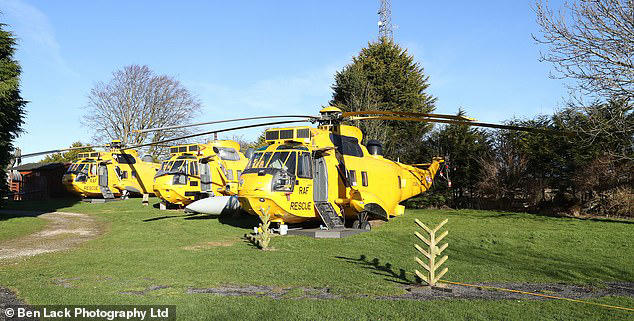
column 263, row 58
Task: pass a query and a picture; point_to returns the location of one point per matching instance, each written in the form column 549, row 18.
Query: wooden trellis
column 431, row 277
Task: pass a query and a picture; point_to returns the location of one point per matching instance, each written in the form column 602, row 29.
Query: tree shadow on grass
column 185, row 216
column 386, row 269
column 32, row 208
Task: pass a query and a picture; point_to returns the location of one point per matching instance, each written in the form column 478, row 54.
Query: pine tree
column 11, row 103
column 385, row 76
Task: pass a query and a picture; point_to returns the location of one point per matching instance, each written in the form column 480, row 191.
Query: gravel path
column 63, row 231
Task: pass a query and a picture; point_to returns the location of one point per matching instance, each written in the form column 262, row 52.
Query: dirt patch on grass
column 421, row 293
column 208, row 245
column 62, row 231
column 267, row 291
column 148, row 289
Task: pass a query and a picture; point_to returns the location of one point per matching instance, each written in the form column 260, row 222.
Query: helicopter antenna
column 385, row 20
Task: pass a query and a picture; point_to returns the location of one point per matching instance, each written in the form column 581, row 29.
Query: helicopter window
column 81, row 168
column 254, row 159
column 352, row 177
column 133, row 174
column 227, row 153
column 263, row 160
column 93, row 169
column 286, row 134
column 272, row 134
column 124, row 158
column 303, row 133
column 238, row 173
column 293, row 147
column 165, row 165
column 304, row 166
column 291, row 163
column 364, row 178
column 229, row 174
column 173, row 150
column 118, row 171
column 124, row 174
column 182, row 149
column 193, row 148
column 347, row 145
column 400, row 183
column 278, row 159
column 178, row 166
column 193, row 168
column 94, row 154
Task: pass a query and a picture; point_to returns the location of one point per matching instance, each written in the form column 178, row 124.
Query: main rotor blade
column 459, row 122
column 217, row 131
column 403, row 113
column 58, row 151
column 220, row 121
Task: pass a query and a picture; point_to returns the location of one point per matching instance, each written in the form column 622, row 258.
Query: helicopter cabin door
column 103, row 176
column 205, row 178
column 326, row 211
column 102, row 173
column 320, row 180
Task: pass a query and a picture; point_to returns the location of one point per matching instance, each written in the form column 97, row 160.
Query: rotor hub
column 330, row 115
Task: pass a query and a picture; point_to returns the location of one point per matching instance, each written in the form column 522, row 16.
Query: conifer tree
column 11, row 103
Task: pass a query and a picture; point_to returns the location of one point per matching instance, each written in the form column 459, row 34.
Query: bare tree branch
column 136, row 98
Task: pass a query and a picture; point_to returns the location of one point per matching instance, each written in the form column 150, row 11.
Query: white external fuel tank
column 214, row 205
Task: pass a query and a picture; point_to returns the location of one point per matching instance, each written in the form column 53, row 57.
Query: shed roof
column 38, row 166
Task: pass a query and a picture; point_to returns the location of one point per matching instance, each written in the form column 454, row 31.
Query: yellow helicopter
column 112, row 173
column 115, row 172
column 325, row 174
column 196, row 171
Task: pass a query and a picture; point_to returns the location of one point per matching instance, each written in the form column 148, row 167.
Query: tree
column 592, row 42
column 11, row 103
column 462, row 146
column 136, row 98
column 67, row 157
column 385, row 77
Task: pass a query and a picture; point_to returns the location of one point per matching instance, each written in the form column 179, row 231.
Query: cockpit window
column 124, row 158
column 254, row 159
column 227, row 153
column 278, row 159
column 178, row 166
column 291, row 163
column 304, row 165
column 261, row 163
column 286, row 160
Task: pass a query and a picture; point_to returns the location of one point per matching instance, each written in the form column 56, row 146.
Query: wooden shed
column 36, row 181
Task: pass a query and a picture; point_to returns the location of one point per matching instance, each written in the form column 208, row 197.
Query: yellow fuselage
column 199, row 170
column 352, row 181
column 117, row 170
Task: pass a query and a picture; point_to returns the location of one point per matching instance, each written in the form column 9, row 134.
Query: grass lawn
column 16, row 225
column 145, row 247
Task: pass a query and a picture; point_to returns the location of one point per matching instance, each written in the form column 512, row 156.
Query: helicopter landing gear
column 362, row 222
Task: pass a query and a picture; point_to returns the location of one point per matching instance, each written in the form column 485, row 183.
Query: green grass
column 13, row 226
column 483, row 247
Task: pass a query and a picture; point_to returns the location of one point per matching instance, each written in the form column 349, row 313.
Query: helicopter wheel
column 362, row 222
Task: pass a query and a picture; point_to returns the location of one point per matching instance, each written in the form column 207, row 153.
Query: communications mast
column 385, row 20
